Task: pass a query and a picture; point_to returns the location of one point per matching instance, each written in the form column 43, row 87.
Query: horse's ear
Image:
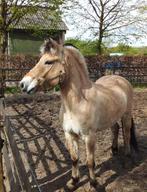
column 49, row 45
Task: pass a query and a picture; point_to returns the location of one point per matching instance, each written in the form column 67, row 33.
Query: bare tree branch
column 109, row 17
column 94, row 8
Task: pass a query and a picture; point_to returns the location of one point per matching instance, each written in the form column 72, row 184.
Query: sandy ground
column 40, row 140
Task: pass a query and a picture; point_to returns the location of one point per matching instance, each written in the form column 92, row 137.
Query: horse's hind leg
column 115, row 131
column 90, row 148
column 72, row 146
column 126, row 126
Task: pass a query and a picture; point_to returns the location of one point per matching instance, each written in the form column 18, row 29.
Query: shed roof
column 41, row 20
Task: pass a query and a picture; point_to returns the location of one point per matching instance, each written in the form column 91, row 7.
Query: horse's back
column 113, row 80
column 117, row 85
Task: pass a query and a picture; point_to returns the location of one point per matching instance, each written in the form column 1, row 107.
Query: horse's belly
column 102, row 125
column 71, row 124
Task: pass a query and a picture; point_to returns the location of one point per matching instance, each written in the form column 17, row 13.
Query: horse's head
column 49, row 69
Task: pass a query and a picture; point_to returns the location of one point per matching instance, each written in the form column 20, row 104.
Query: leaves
column 12, row 11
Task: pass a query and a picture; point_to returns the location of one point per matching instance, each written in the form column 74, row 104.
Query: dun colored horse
column 87, row 107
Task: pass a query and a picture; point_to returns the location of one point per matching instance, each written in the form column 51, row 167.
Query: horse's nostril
column 22, row 85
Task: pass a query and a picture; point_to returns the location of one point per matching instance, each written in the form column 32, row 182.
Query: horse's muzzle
column 28, row 84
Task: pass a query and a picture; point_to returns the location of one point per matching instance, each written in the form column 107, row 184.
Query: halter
column 58, row 76
column 61, row 73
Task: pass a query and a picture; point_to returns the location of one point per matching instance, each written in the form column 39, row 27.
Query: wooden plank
column 2, row 188
column 18, row 179
column 23, row 178
column 11, row 176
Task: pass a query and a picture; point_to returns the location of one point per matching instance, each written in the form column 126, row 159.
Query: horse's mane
column 77, row 55
column 70, row 45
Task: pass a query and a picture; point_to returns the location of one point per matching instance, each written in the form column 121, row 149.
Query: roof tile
column 40, row 20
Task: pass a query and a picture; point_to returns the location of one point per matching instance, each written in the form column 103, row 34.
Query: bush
column 86, row 47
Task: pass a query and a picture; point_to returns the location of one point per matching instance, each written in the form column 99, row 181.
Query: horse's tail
column 133, row 140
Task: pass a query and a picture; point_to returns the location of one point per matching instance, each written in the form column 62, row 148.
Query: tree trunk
column 100, row 41
column 100, row 38
column 3, row 28
column 99, row 47
column 4, row 42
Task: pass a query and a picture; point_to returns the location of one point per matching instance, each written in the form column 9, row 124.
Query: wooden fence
column 10, row 77
column 135, row 74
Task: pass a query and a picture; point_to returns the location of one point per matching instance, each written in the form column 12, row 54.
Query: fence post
column 2, row 187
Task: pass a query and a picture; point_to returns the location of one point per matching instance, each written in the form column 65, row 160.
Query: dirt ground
column 40, row 140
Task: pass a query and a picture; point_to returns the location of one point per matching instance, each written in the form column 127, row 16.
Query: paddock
column 36, row 158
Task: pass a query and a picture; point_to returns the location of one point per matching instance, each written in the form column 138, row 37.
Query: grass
column 139, row 86
column 15, row 89
column 12, row 90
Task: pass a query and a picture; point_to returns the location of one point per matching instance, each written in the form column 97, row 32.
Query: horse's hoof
column 93, row 186
column 71, row 184
column 114, row 151
column 128, row 162
column 93, row 183
column 92, row 189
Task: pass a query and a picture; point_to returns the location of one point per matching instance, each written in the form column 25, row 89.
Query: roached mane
column 79, row 57
column 50, row 46
column 45, row 47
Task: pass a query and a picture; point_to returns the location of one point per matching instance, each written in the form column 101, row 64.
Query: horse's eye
column 48, row 62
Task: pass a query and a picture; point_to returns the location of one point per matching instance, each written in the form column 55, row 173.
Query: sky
column 75, row 32
column 72, row 32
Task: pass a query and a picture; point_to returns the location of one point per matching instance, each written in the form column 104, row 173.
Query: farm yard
column 32, row 126
column 35, row 155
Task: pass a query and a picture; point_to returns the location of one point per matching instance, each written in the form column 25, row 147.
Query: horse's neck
column 73, row 90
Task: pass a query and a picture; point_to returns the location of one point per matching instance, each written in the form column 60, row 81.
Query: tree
column 109, row 18
column 11, row 11
column 123, row 47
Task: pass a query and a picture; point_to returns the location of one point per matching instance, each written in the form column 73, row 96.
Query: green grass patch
column 139, row 86
column 12, row 90
column 57, row 88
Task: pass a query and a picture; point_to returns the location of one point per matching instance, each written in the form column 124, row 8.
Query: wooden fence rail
column 10, row 77
column 135, row 74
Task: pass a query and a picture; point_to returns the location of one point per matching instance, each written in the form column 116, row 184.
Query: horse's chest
column 71, row 123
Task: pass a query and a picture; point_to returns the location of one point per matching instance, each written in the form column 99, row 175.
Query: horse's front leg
column 73, row 148
column 90, row 141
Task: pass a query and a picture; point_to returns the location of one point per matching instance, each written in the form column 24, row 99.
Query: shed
column 26, row 36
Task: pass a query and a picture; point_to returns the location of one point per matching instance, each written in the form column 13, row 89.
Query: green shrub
column 86, row 47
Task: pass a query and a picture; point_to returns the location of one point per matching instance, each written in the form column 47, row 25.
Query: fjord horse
column 87, row 107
